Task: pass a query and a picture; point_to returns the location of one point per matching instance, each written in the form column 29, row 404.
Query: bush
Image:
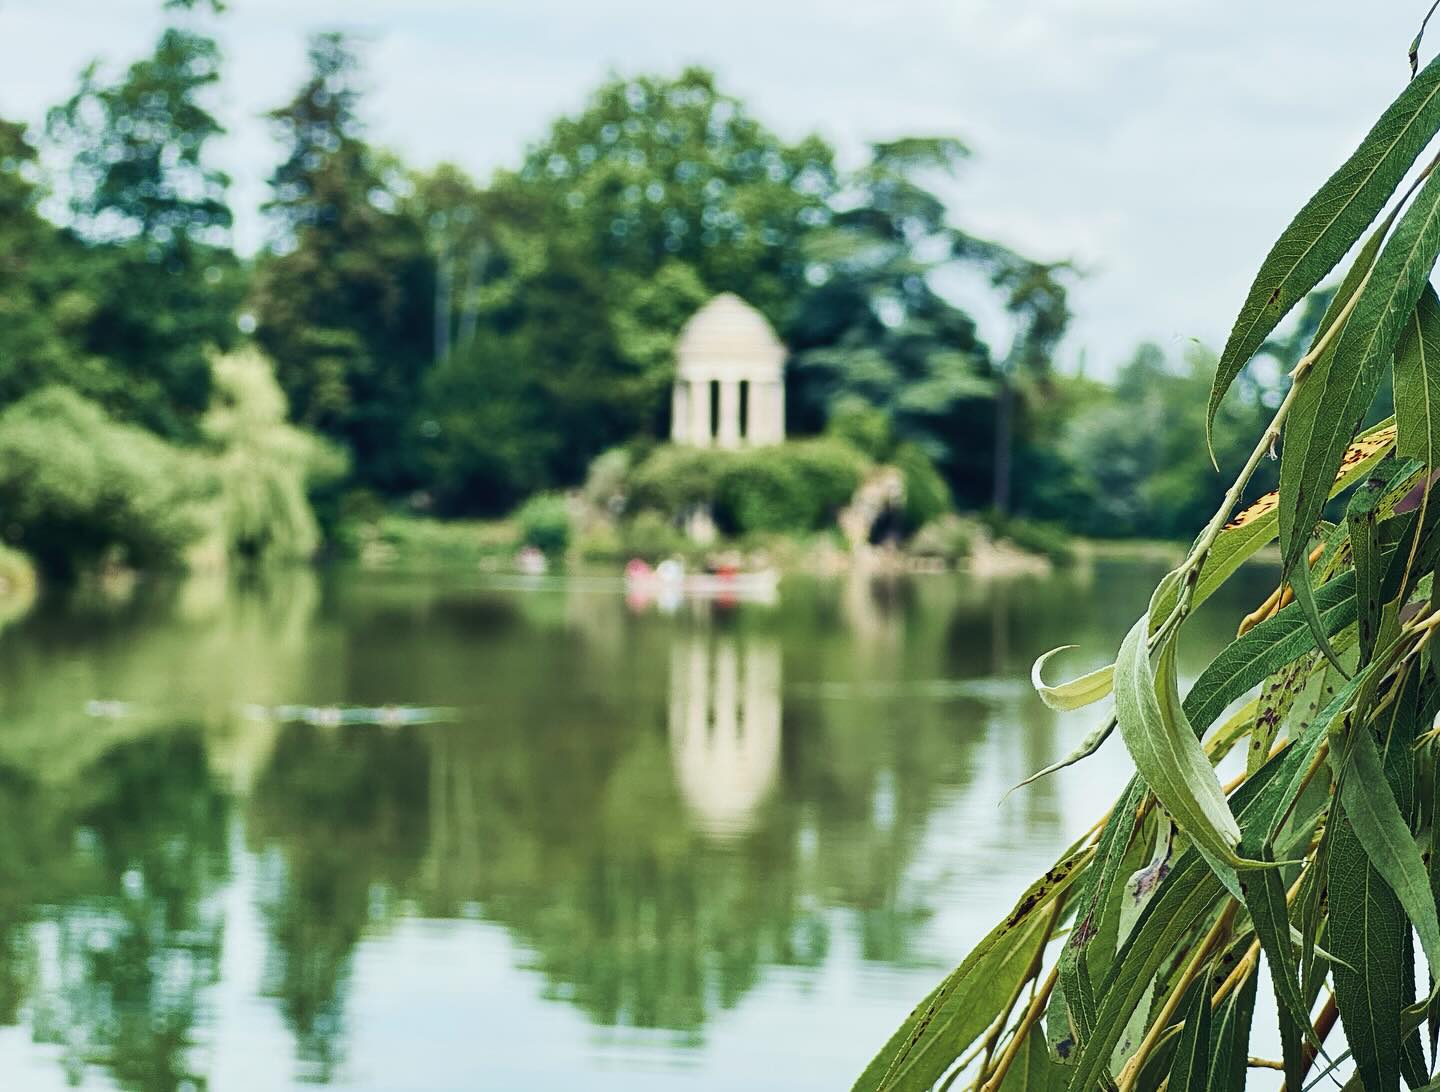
column 266, row 469
column 927, row 497
column 948, row 537
column 649, row 535
column 544, row 523
column 795, row 487
column 78, row 488
column 417, row 542
column 1047, row 539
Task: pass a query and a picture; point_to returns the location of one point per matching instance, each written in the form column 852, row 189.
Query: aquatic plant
column 1133, row 963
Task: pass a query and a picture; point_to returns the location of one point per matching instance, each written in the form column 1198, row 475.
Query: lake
column 704, row 849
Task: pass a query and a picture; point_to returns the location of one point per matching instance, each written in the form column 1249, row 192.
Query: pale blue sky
column 1162, row 145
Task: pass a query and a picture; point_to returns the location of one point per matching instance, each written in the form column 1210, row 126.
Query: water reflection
column 666, row 816
column 724, row 727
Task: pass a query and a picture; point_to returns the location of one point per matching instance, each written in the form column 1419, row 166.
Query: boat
column 669, row 580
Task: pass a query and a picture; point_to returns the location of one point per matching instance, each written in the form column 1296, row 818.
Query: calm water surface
column 703, row 850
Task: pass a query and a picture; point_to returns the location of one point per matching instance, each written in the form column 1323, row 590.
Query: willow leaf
column 1364, row 532
column 1185, row 901
column 1366, row 930
column 1075, row 694
column 1380, row 827
column 1230, row 1043
column 1034, row 1070
column 1266, row 648
column 1330, row 223
column 1265, row 899
column 1417, row 383
column 1253, row 528
column 1335, row 394
column 962, row 1006
column 1167, row 753
column 1189, row 1071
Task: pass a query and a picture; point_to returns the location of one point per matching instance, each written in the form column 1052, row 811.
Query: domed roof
column 728, row 333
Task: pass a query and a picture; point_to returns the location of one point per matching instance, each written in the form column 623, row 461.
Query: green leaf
column 1336, row 392
column 1186, row 901
column 1330, row 223
column 1265, row 899
column 1190, row 1069
column 1034, row 1070
column 1382, row 831
column 1364, row 533
column 1417, row 383
column 1366, row 930
column 1230, row 1043
column 1166, row 751
column 1075, row 694
column 1252, row 530
column 960, row 1008
column 1266, row 648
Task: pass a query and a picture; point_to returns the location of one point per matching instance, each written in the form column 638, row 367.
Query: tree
column 1329, row 836
column 343, row 298
column 875, row 329
column 34, row 348
column 656, row 170
column 158, row 284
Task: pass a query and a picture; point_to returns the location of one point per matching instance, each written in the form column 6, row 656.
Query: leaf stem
column 1131, row 1071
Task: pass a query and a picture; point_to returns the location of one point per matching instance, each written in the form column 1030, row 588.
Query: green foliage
column 1316, row 857
column 343, row 298
column 650, row 536
column 544, row 522
column 927, row 497
column 148, row 285
column 265, row 467
column 1035, row 536
column 947, row 537
column 875, row 330
column 78, row 487
column 798, row 486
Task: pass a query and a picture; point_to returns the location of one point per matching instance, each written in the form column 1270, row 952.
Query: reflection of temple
column 724, row 726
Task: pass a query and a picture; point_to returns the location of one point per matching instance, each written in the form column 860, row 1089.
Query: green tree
column 34, row 262
column 160, row 284
column 343, row 298
column 656, row 170
column 874, row 327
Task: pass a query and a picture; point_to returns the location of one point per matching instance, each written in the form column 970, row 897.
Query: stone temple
column 729, row 384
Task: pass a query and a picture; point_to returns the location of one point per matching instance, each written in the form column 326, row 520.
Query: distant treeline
column 457, row 347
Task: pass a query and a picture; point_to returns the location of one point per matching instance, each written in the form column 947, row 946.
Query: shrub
column 794, row 487
column 1047, row 539
column 651, row 536
column 266, row 469
column 77, row 487
column 927, row 497
column 948, row 537
column 544, row 523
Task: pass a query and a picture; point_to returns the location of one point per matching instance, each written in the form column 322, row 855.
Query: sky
column 1159, row 145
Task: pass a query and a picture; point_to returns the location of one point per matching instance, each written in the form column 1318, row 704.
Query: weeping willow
column 264, row 468
column 1134, row 962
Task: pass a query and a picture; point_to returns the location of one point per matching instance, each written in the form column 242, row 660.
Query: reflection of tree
column 133, row 857
column 346, row 811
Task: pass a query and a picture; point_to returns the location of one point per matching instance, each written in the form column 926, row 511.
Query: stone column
column 679, row 413
column 699, row 399
column 728, row 435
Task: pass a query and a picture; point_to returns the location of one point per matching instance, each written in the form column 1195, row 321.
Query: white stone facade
column 729, row 378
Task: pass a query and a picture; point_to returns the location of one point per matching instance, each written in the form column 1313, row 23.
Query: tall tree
column 161, row 282
column 877, row 328
column 344, row 296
